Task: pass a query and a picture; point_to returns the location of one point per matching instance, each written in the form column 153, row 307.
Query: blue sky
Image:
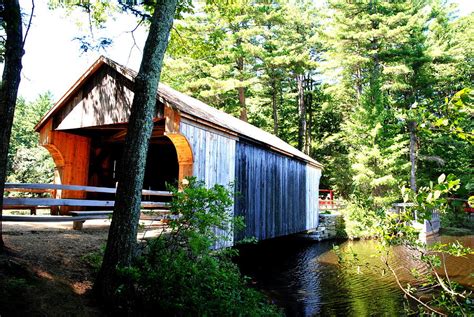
column 54, row 62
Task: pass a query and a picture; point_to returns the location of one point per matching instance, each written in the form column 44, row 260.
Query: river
column 304, row 276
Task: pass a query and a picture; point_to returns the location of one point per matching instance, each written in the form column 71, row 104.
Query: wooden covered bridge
column 276, row 185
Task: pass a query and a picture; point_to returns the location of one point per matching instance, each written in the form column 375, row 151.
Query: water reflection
column 304, row 277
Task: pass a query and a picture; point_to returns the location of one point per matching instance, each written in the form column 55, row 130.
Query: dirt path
column 52, row 268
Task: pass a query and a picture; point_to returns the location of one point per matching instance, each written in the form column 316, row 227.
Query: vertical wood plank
column 214, row 160
column 277, row 193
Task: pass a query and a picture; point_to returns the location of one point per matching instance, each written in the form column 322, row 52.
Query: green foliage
column 94, row 259
column 216, row 58
column 379, row 61
column 432, row 197
column 455, row 116
column 396, row 230
column 359, row 221
column 457, row 221
column 28, row 161
column 252, row 48
column 32, row 165
column 446, row 131
column 27, row 115
column 201, row 215
column 180, row 273
column 384, row 57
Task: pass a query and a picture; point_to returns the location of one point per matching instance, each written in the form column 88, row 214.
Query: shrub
column 181, row 273
column 360, row 222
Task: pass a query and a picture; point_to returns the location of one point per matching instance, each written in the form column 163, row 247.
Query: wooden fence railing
column 79, row 216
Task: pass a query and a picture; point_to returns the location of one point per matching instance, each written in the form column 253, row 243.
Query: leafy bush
column 360, row 222
column 448, row 296
column 456, row 217
column 180, row 273
column 32, row 165
column 28, row 162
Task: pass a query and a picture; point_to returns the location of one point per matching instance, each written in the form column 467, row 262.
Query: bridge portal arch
column 184, row 155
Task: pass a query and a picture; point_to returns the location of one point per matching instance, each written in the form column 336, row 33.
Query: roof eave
column 71, row 91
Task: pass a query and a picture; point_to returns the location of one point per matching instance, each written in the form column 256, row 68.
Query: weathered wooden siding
column 271, row 193
column 104, row 99
column 213, row 152
column 214, row 157
column 313, row 176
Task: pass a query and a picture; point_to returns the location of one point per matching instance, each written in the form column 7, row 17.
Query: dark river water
column 304, row 276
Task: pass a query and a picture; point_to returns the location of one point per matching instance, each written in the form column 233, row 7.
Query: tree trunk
column 358, row 86
column 122, row 239
column 241, row 91
column 243, row 107
column 11, row 16
column 412, row 129
column 301, row 113
column 309, row 105
column 275, row 108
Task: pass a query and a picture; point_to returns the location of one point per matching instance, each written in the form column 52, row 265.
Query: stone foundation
column 328, row 227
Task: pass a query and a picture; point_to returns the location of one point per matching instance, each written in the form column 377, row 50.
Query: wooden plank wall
column 313, row 175
column 271, row 192
column 104, row 99
column 71, row 154
column 214, row 157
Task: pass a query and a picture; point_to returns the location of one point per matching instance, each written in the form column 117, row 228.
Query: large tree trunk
column 301, row 113
column 412, row 129
column 122, row 239
column 11, row 16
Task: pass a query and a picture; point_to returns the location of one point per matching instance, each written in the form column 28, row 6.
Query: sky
column 53, row 60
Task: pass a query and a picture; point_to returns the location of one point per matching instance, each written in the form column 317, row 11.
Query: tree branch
column 29, row 22
column 132, row 32
column 410, row 295
column 137, row 13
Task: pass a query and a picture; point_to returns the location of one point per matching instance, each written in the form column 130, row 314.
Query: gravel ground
column 56, row 251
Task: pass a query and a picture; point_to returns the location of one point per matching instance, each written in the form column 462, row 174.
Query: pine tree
column 210, row 56
column 258, row 53
column 378, row 50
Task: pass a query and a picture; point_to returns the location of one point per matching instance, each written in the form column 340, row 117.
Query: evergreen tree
column 250, row 56
column 210, row 56
column 28, row 161
column 377, row 51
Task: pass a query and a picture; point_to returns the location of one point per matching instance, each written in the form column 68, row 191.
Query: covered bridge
column 276, row 185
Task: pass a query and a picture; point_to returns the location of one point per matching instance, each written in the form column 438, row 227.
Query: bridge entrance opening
column 167, row 163
column 92, row 156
